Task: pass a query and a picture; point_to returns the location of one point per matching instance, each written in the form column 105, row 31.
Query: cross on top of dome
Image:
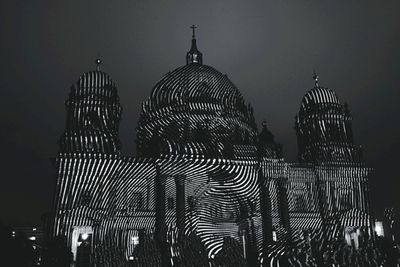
column 193, row 27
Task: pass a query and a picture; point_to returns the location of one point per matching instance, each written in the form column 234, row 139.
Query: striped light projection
column 206, row 189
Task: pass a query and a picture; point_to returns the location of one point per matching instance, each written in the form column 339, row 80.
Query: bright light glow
column 84, row 236
column 274, row 236
column 34, row 229
column 131, row 258
column 379, row 229
column 33, row 238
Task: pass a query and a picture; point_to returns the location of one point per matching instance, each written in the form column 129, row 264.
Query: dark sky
column 267, row 48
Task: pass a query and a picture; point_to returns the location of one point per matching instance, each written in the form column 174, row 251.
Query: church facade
column 205, row 180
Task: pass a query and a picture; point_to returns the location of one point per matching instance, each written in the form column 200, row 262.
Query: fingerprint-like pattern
column 206, row 188
column 198, row 111
column 225, row 195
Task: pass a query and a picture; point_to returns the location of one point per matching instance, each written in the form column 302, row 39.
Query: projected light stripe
column 205, row 184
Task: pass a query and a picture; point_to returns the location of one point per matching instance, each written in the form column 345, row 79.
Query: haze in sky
column 268, row 49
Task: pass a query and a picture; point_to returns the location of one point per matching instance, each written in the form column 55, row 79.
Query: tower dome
column 194, row 110
column 318, row 97
column 323, row 128
column 93, row 115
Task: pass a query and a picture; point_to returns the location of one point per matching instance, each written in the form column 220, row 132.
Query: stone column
column 160, row 230
column 180, row 204
column 160, row 227
column 265, row 208
column 332, row 196
column 283, row 203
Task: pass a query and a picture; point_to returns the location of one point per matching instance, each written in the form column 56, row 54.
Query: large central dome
column 195, row 110
column 194, row 83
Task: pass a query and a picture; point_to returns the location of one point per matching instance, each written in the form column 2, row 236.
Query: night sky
column 268, row 49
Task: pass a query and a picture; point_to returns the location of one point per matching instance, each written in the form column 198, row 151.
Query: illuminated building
column 203, row 173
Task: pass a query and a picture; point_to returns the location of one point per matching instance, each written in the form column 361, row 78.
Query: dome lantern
column 194, row 56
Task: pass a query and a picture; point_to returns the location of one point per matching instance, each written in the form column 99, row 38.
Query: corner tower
column 324, row 128
column 93, row 115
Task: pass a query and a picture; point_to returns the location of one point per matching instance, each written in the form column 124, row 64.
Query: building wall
column 117, row 197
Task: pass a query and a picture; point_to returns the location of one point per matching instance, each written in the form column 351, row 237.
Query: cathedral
column 207, row 187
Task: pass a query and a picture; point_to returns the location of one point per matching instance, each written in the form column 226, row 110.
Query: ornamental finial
column 98, row 62
column 264, row 123
column 316, row 78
